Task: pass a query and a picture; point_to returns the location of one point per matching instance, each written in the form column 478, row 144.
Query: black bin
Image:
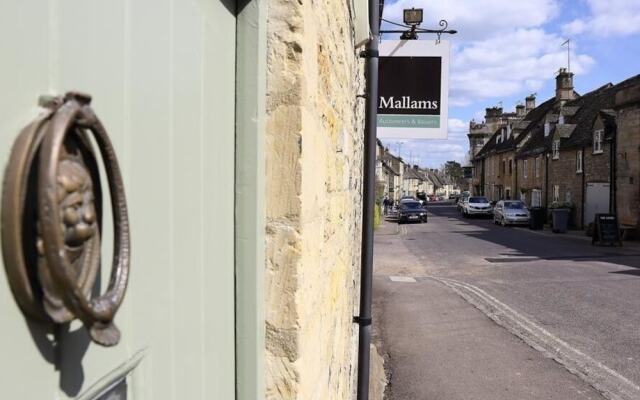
column 536, row 218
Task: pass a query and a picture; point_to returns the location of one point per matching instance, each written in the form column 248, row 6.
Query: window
column 510, row 167
column 597, row 141
column 556, row 193
column 579, row 162
column 536, row 198
column 537, row 167
column 556, row 149
column 504, row 167
column 525, row 167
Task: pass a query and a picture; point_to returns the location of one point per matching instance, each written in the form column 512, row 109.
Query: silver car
column 476, row 205
column 511, row 212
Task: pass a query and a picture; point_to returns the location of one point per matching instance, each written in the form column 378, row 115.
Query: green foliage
column 377, row 216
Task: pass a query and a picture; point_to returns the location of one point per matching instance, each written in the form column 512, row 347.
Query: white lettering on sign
column 407, row 104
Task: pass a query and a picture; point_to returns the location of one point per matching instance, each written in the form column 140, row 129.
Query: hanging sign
column 413, row 89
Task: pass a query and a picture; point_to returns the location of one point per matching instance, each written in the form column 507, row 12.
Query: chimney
column 531, row 103
column 564, row 86
column 493, row 114
column 520, row 111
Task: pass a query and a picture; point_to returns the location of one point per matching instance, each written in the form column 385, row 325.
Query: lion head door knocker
column 51, row 219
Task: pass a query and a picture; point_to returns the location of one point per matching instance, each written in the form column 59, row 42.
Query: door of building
column 597, row 201
column 161, row 75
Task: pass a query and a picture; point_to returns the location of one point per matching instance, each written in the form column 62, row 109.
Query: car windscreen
column 478, row 200
column 514, row 205
column 410, row 204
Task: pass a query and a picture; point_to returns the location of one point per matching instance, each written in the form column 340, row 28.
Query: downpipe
column 369, row 170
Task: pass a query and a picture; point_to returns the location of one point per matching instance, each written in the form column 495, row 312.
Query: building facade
column 567, row 153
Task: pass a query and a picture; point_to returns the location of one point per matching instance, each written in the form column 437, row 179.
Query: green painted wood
column 162, row 75
column 250, row 198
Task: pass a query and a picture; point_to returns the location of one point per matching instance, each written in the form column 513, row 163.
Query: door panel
column 597, row 201
column 161, row 74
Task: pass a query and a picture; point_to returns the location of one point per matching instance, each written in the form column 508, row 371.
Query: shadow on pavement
column 529, row 246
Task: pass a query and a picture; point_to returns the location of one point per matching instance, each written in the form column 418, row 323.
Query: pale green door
column 161, row 74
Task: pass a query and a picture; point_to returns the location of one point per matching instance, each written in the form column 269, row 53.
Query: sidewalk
column 439, row 347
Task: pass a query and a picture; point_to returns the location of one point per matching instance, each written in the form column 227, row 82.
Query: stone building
column 627, row 156
column 567, row 152
column 397, row 168
column 415, row 183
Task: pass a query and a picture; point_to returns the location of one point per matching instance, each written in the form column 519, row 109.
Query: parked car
column 511, row 212
column 477, row 205
column 411, row 211
column 461, row 202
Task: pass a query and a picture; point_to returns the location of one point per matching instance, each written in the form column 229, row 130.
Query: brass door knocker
column 51, row 219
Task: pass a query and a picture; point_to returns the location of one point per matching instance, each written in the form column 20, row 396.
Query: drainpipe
column 613, row 205
column 584, row 190
column 546, row 181
column 366, row 257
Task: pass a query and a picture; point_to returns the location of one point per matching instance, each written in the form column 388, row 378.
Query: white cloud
column 514, row 62
column 434, row 153
column 608, row 18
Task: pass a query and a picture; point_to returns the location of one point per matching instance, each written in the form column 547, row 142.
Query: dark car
column 411, row 211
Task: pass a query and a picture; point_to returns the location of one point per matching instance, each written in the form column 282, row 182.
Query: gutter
column 366, row 258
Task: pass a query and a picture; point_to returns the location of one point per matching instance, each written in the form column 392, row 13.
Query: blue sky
column 508, row 49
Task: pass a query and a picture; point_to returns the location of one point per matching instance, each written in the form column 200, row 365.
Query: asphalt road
column 568, row 301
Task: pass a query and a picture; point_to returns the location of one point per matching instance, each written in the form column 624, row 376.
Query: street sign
column 413, row 89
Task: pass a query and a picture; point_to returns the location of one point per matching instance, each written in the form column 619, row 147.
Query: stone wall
column 562, row 172
column 628, row 155
column 314, row 160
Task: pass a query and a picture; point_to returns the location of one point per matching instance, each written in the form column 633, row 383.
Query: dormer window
column 555, row 146
column 598, row 137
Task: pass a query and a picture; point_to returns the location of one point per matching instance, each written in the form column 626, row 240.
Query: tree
column 454, row 171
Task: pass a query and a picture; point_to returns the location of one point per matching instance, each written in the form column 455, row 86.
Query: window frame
column 536, row 194
column 598, row 139
column 556, row 193
column 579, row 162
column 555, row 149
column 525, row 167
column 537, row 166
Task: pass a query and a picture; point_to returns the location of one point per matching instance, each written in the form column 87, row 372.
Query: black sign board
column 467, row 172
column 606, row 230
column 409, row 85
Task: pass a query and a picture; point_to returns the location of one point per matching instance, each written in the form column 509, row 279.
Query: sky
column 506, row 50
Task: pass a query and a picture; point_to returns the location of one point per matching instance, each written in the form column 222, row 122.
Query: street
column 470, row 310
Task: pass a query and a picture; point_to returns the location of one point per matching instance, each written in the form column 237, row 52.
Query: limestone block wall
column 314, row 167
column 628, row 156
